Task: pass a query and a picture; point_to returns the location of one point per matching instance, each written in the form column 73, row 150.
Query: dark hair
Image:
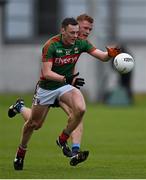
column 85, row 17
column 68, row 21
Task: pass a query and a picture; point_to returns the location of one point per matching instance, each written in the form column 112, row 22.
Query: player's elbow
column 46, row 75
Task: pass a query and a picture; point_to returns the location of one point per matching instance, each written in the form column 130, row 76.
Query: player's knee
column 38, row 126
column 34, row 125
column 80, row 111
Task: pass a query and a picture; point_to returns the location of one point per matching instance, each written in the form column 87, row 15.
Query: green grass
column 115, row 137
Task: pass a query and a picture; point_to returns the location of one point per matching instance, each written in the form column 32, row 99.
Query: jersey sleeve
column 48, row 53
column 87, row 46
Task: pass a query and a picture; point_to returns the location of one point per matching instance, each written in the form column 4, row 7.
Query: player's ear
column 62, row 31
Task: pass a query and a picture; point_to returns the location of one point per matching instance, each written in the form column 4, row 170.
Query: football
column 124, row 63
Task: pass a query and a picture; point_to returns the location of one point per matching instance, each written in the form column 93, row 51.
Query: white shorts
column 48, row 97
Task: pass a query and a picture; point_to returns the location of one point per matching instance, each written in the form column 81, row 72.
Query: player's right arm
column 48, row 59
column 105, row 55
column 101, row 55
column 49, row 74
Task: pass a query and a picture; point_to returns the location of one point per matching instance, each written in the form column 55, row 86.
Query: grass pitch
column 115, row 137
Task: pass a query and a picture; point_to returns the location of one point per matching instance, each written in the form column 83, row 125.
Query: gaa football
column 124, row 63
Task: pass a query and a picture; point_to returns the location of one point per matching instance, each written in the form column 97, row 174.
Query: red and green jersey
column 63, row 58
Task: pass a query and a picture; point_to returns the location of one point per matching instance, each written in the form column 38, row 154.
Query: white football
column 124, row 63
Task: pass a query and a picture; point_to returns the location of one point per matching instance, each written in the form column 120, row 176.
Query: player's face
column 85, row 29
column 70, row 34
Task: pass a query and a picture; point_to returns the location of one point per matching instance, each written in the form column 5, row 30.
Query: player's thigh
column 39, row 113
column 74, row 99
column 65, row 108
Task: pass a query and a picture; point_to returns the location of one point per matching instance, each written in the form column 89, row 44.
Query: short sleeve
column 87, row 46
column 48, row 53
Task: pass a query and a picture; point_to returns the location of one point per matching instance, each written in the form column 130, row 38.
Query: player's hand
column 113, row 51
column 69, row 79
column 79, row 82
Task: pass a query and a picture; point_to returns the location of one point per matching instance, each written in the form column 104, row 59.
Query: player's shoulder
column 82, row 41
column 56, row 38
column 53, row 40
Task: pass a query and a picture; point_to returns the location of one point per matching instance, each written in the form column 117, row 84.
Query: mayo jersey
column 63, row 58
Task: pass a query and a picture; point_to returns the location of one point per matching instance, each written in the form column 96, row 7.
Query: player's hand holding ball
column 124, row 63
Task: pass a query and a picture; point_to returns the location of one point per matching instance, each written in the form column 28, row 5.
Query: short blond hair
column 85, row 17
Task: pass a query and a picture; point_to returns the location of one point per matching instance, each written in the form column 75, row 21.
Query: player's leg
column 74, row 100
column 65, row 148
column 77, row 155
column 65, row 108
column 25, row 113
column 34, row 123
column 76, row 135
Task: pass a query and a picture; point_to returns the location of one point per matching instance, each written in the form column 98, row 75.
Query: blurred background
column 25, row 25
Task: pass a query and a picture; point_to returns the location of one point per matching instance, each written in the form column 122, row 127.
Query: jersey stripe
column 56, row 38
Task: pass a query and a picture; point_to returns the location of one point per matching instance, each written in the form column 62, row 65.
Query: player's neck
column 65, row 42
